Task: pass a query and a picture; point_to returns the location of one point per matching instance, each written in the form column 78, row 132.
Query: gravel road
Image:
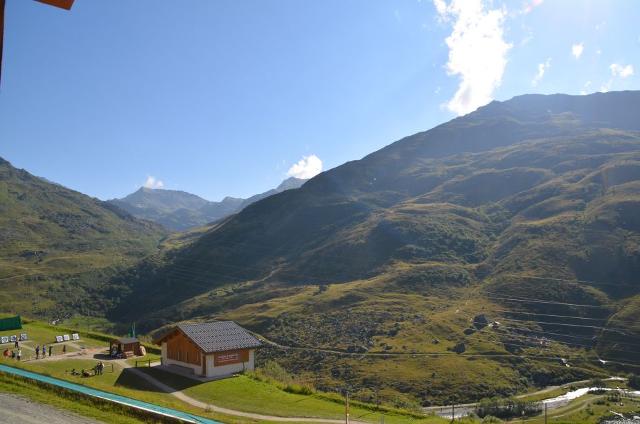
column 16, row 409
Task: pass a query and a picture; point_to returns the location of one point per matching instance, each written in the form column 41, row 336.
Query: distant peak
column 291, row 182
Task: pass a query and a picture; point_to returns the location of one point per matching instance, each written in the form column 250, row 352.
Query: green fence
column 13, row 323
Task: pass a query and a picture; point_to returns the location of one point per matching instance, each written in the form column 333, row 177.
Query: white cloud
column 585, row 88
column 477, row 51
column 153, row 182
column 307, row 167
column 577, row 49
column 542, row 68
column 441, row 7
column 622, row 71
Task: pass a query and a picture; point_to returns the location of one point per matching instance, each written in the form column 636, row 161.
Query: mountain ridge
column 179, row 210
column 400, row 251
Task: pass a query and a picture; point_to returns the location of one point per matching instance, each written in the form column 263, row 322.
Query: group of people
column 97, row 370
column 44, row 351
column 16, row 352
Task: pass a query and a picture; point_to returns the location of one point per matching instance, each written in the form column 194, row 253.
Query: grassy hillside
column 523, row 213
column 59, row 246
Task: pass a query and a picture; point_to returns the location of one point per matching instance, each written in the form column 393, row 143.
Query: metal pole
column 346, row 408
column 453, row 412
column 545, row 413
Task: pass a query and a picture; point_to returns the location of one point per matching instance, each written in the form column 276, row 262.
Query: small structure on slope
column 125, row 347
column 210, row 349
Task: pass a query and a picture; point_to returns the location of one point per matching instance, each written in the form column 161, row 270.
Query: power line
column 612, row 329
column 530, row 300
column 531, row 277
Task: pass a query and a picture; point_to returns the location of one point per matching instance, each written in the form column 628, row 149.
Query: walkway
column 17, row 409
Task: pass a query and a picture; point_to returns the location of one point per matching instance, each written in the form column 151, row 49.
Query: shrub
column 273, row 370
column 300, row 389
column 507, row 408
column 634, row 381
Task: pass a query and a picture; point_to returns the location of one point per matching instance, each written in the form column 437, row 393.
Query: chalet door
column 204, row 365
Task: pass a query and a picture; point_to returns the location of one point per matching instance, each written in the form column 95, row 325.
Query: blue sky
column 223, row 97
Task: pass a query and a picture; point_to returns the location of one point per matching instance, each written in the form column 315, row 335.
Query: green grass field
column 269, row 399
column 246, row 393
column 40, row 333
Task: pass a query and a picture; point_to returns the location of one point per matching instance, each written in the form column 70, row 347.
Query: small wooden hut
column 125, row 346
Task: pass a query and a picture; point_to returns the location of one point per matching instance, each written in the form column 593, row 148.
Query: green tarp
column 12, row 323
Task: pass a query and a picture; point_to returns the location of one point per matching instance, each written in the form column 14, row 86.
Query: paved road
column 17, row 409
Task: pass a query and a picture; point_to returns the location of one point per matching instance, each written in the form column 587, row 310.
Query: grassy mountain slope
column 524, row 212
column 180, row 211
column 56, row 244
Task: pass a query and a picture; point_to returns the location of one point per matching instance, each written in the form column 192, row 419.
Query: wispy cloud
column 622, row 71
column 307, row 167
column 617, row 71
column 477, row 51
column 153, row 182
column 577, row 49
column 542, row 68
column 530, row 5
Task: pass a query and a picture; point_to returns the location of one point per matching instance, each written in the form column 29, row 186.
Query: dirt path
column 79, row 354
column 16, row 409
column 207, row 406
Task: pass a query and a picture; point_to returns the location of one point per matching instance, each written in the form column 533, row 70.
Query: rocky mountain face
column 524, row 212
column 178, row 210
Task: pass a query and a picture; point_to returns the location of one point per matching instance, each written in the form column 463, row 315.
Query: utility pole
column 545, row 413
column 346, row 407
column 453, row 412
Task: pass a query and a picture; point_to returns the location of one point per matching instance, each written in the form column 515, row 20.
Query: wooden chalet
column 210, row 349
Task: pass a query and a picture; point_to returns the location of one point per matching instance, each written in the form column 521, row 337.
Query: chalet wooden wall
column 180, row 348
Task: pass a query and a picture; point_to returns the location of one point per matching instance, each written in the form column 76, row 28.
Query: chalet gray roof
column 218, row 336
column 126, row 340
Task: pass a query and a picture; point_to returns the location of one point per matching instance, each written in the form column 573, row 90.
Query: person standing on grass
column 16, row 344
column 50, row 349
column 19, row 353
column 38, row 352
column 44, row 350
column 64, row 349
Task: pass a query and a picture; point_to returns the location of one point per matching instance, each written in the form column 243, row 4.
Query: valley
column 504, row 243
